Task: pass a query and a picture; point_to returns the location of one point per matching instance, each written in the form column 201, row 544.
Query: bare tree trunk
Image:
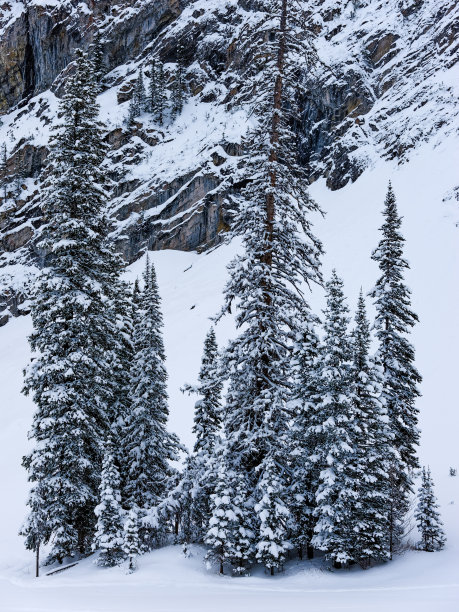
column 37, row 561
column 274, row 137
column 267, row 256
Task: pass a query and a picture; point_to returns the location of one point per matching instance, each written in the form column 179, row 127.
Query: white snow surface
column 191, row 288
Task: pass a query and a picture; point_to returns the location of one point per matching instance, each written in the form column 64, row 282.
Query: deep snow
column 191, row 286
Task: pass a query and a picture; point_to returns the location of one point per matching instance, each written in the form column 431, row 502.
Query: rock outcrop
column 381, row 84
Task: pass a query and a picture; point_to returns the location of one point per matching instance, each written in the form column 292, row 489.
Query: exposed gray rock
column 371, row 95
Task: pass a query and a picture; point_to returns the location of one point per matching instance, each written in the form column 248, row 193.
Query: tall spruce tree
column 374, row 447
column 138, row 103
column 157, row 90
column 302, row 442
column 147, row 445
column 97, row 56
column 178, row 86
column 109, row 534
column 74, row 337
column 333, row 426
column 428, row 519
column 4, row 171
column 207, row 416
column 123, row 299
column 201, row 466
column 394, row 319
column 153, row 85
column 280, row 251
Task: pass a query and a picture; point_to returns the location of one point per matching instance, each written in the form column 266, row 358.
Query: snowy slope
column 385, row 83
column 191, row 287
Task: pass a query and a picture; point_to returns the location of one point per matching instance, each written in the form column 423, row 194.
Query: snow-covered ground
column 191, row 288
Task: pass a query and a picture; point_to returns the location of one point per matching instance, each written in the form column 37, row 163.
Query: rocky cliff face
column 38, row 38
column 383, row 81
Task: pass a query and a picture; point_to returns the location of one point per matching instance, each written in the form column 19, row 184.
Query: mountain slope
column 385, row 81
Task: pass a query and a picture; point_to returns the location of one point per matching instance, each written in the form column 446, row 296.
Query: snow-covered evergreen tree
column 242, row 536
column 74, row 337
column 334, row 428
column 4, row 171
column 229, row 534
column 394, row 319
column 207, row 422
column 157, row 91
column 207, row 416
column 427, row 515
column 131, row 545
column 280, row 252
column 97, row 57
column 222, row 515
column 138, row 101
column 109, row 533
column 374, row 447
column 153, row 86
column 19, row 177
column 302, row 441
column 36, row 529
column 147, row 445
column 273, row 518
column 122, row 297
column 178, row 91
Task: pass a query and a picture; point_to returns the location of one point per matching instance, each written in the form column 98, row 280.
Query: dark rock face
column 40, row 43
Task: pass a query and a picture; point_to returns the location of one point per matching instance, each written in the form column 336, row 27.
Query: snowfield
column 191, row 287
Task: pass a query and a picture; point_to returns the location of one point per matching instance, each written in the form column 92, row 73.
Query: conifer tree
column 207, row 422
column 374, row 447
column 394, row 319
column 19, row 176
column 302, row 442
column 178, row 86
column 122, row 298
column 97, row 56
column 158, row 96
column 137, row 104
column 428, row 519
column 242, row 535
column 109, row 534
column 223, row 514
column 36, row 528
column 147, row 445
column 153, row 86
column 4, row 171
column 207, row 417
column 132, row 547
column 335, row 431
column 280, row 252
column 229, row 535
column 274, row 517
column 74, row 335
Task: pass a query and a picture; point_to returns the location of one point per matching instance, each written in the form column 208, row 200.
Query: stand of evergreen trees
column 313, row 446
column 101, row 445
column 165, row 97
